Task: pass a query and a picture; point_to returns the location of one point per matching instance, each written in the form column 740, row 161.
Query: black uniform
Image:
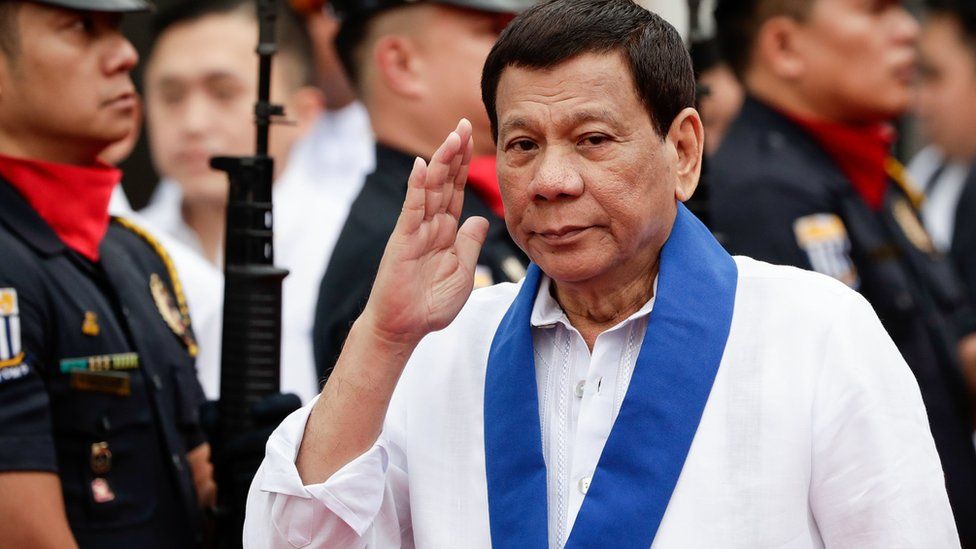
column 356, row 259
column 98, row 383
column 779, row 197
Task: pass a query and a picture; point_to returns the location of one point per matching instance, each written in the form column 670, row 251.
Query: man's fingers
column 440, row 165
column 413, row 206
column 470, row 237
column 457, row 197
column 458, row 165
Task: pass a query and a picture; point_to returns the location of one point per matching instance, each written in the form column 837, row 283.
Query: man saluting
column 639, row 387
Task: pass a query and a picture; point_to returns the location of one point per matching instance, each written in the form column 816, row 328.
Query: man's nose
column 556, row 178
column 197, row 114
column 122, row 55
column 906, row 26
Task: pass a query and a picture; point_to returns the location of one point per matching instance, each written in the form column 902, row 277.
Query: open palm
column 427, row 271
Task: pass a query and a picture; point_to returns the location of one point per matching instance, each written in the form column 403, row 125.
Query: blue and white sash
column 643, row 456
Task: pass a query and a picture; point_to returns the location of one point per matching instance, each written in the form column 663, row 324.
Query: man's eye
column 522, row 145
column 593, row 140
column 84, row 22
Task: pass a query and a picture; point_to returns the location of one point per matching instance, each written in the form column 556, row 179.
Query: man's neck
column 782, row 97
column 593, row 308
column 207, row 220
column 56, row 153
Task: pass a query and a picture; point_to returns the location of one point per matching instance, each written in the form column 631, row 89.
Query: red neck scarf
column 859, row 151
column 483, row 179
column 73, row 200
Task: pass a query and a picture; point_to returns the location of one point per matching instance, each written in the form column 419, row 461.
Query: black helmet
column 363, row 9
column 117, row 6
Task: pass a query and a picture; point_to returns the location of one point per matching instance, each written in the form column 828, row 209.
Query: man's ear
column 396, row 60
column 687, row 137
column 777, row 47
column 304, row 107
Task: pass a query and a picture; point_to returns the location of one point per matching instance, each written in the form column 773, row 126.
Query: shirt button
column 579, row 388
column 584, row 485
column 157, row 382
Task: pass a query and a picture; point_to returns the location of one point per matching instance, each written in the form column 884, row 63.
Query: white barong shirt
column 813, row 435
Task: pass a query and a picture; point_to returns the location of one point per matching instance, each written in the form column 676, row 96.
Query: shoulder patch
column 824, row 239
column 11, row 354
column 181, row 306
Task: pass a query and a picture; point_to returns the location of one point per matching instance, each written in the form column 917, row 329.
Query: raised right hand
column 427, row 271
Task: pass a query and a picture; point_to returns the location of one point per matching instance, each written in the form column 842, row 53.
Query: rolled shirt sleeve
column 363, row 504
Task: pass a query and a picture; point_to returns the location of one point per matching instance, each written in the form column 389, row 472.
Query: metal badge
column 90, row 326
column 101, row 491
column 115, row 383
column 101, row 458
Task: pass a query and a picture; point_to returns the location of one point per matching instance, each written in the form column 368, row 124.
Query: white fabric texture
column 324, row 173
column 939, row 209
column 814, row 435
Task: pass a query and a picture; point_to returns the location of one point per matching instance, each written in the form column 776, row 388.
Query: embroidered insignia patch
column 482, row 277
column 513, row 269
column 171, row 313
column 11, row 354
column 824, row 239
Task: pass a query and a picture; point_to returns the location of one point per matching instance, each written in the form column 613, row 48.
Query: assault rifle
column 250, row 404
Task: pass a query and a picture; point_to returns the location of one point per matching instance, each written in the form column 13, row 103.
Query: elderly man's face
column 588, row 184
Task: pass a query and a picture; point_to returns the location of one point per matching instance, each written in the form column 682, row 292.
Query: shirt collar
column 546, row 311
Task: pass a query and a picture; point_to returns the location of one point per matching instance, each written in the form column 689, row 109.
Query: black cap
column 116, row 6
column 362, row 9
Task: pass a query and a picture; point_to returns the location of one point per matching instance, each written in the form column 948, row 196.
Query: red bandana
column 483, row 179
column 860, row 152
column 73, row 200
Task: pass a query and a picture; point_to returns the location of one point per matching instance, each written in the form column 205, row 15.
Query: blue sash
column 639, row 467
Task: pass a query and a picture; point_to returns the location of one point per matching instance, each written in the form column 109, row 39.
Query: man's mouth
column 127, row 100
column 561, row 235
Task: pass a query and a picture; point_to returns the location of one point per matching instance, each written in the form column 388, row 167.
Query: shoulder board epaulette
column 164, row 256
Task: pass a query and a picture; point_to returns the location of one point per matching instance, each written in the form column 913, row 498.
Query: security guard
column 417, row 66
column 100, row 443
column 804, row 177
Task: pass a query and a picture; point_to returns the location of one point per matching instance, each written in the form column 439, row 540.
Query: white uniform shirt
column 941, row 195
column 814, row 434
column 324, row 173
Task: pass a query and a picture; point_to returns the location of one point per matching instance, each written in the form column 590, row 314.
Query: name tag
column 114, row 383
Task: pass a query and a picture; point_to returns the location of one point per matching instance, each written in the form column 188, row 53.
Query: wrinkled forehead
column 589, row 88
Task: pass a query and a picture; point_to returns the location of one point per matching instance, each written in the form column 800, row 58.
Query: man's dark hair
column 962, row 11
column 559, row 30
column 352, row 32
column 290, row 31
column 737, row 24
column 9, row 36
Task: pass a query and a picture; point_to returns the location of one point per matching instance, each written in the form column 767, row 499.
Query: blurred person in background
column 204, row 295
column 201, row 86
column 100, row 441
column 417, row 68
column 720, row 94
column 946, row 106
column 804, row 177
column 340, row 143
